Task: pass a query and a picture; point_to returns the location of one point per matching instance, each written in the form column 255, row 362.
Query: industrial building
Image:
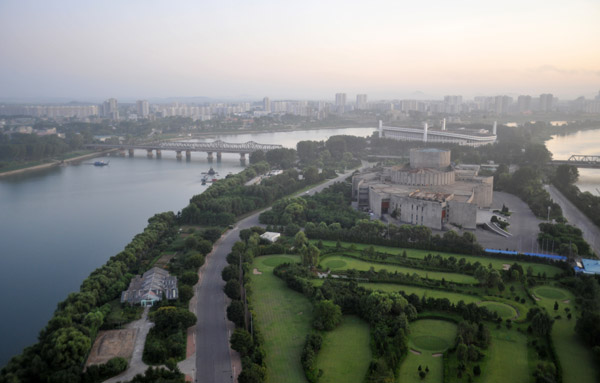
column 429, row 191
column 151, row 287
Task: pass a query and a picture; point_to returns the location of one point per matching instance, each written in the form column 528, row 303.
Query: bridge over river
column 580, row 161
column 180, row 147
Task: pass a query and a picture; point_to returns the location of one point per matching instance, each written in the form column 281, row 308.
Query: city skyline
column 231, row 50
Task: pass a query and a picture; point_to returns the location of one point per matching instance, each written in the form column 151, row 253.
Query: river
column 584, row 143
column 60, row 224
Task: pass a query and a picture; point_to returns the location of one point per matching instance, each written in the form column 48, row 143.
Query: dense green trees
column 327, row 315
column 167, row 339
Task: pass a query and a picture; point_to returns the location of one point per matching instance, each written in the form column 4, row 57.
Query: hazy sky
column 298, row 49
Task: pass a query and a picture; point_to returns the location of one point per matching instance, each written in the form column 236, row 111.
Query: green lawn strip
column 409, row 370
column 427, row 337
column 506, row 357
column 346, row 352
column 337, row 262
column 420, row 254
column 422, row 291
column 504, row 310
column 284, row 318
column 575, row 358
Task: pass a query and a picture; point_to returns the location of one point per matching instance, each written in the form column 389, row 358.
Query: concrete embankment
column 54, row 163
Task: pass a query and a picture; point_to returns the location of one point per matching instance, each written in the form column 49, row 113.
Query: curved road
column 213, row 358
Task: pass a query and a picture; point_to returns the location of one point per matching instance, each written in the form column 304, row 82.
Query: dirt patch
column 415, row 352
column 505, row 266
column 110, row 344
column 567, row 301
column 164, row 260
column 256, row 272
column 536, row 298
column 300, row 313
column 437, row 355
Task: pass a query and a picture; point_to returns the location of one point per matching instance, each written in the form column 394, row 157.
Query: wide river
column 58, row 225
column 584, row 143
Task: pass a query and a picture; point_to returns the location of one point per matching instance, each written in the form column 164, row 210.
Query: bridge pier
column 219, row 156
column 243, row 159
column 131, row 152
column 178, row 155
column 210, row 157
column 121, row 152
column 188, row 155
column 158, row 153
column 149, row 153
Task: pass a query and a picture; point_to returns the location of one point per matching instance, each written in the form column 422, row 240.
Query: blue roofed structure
column 590, row 266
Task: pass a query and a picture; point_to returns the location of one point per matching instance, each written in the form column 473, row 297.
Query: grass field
column 338, row 262
column 420, row 291
column 505, row 311
column 284, row 318
column 506, row 359
column 575, row 359
column 429, row 337
column 346, row 352
column 420, row 254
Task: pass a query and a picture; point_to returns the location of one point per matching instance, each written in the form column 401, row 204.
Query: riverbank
column 54, row 163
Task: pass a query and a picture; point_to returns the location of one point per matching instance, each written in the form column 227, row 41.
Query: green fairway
column 506, row 359
column 421, row 291
column 284, row 318
column 346, row 352
column 550, row 293
column 505, row 311
column 498, row 264
column 428, row 337
column 575, row 358
column 338, row 262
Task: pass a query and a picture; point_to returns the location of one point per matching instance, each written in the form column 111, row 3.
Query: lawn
column 346, row 352
column 427, row 337
column 338, row 262
column 506, row 357
column 421, row 291
column 502, row 309
column 575, row 358
column 284, row 318
column 420, row 254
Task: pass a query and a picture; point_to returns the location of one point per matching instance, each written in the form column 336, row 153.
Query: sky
column 298, row 49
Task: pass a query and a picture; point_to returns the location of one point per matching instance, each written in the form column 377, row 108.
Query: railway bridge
column 216, row 147
column 580, row 161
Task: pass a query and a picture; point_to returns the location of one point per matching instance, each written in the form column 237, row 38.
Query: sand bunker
column 256, row 272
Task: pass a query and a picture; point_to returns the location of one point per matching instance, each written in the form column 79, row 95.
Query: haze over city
column 229, row 49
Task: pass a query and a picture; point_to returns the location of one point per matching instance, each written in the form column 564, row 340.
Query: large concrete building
column 430, row 191
column 461, row 136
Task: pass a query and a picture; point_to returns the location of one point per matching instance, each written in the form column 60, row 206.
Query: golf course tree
column 327, row 315
column 541, row 322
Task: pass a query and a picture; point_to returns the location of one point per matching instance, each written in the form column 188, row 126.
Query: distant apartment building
column 143, row 108
column 502, row 104
column 340, row 102
column 110, row 109
column 50, row 111
column 361, row 101
column 524, row 104
column 546, row 102
column 267, row 105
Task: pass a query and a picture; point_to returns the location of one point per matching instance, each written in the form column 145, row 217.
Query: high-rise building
column 267, row 105
column 110, row 109
column 143, row 108
column 361, row 101
column 546, row 102
column 524, row 103
column 501, row 104
column 340, row 102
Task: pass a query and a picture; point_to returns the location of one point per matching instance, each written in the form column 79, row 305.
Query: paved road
column 591, row 233
column 213, row 358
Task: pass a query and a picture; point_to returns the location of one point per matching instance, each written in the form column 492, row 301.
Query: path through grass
column 284, row 318
column 346, row 353
column 506, row 358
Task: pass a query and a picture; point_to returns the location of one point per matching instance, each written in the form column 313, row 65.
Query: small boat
column 101, row 163
column 211, row 171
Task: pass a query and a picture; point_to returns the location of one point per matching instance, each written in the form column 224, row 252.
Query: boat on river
column 101, row 163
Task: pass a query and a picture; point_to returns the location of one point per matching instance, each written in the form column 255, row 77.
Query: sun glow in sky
column 298, row 49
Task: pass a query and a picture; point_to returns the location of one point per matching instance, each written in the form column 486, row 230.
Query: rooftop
column 591, row 266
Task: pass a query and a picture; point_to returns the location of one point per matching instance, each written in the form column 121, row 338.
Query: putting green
column 505, row 311
column 549, row 292
column 335, row 264
column 432, row 335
